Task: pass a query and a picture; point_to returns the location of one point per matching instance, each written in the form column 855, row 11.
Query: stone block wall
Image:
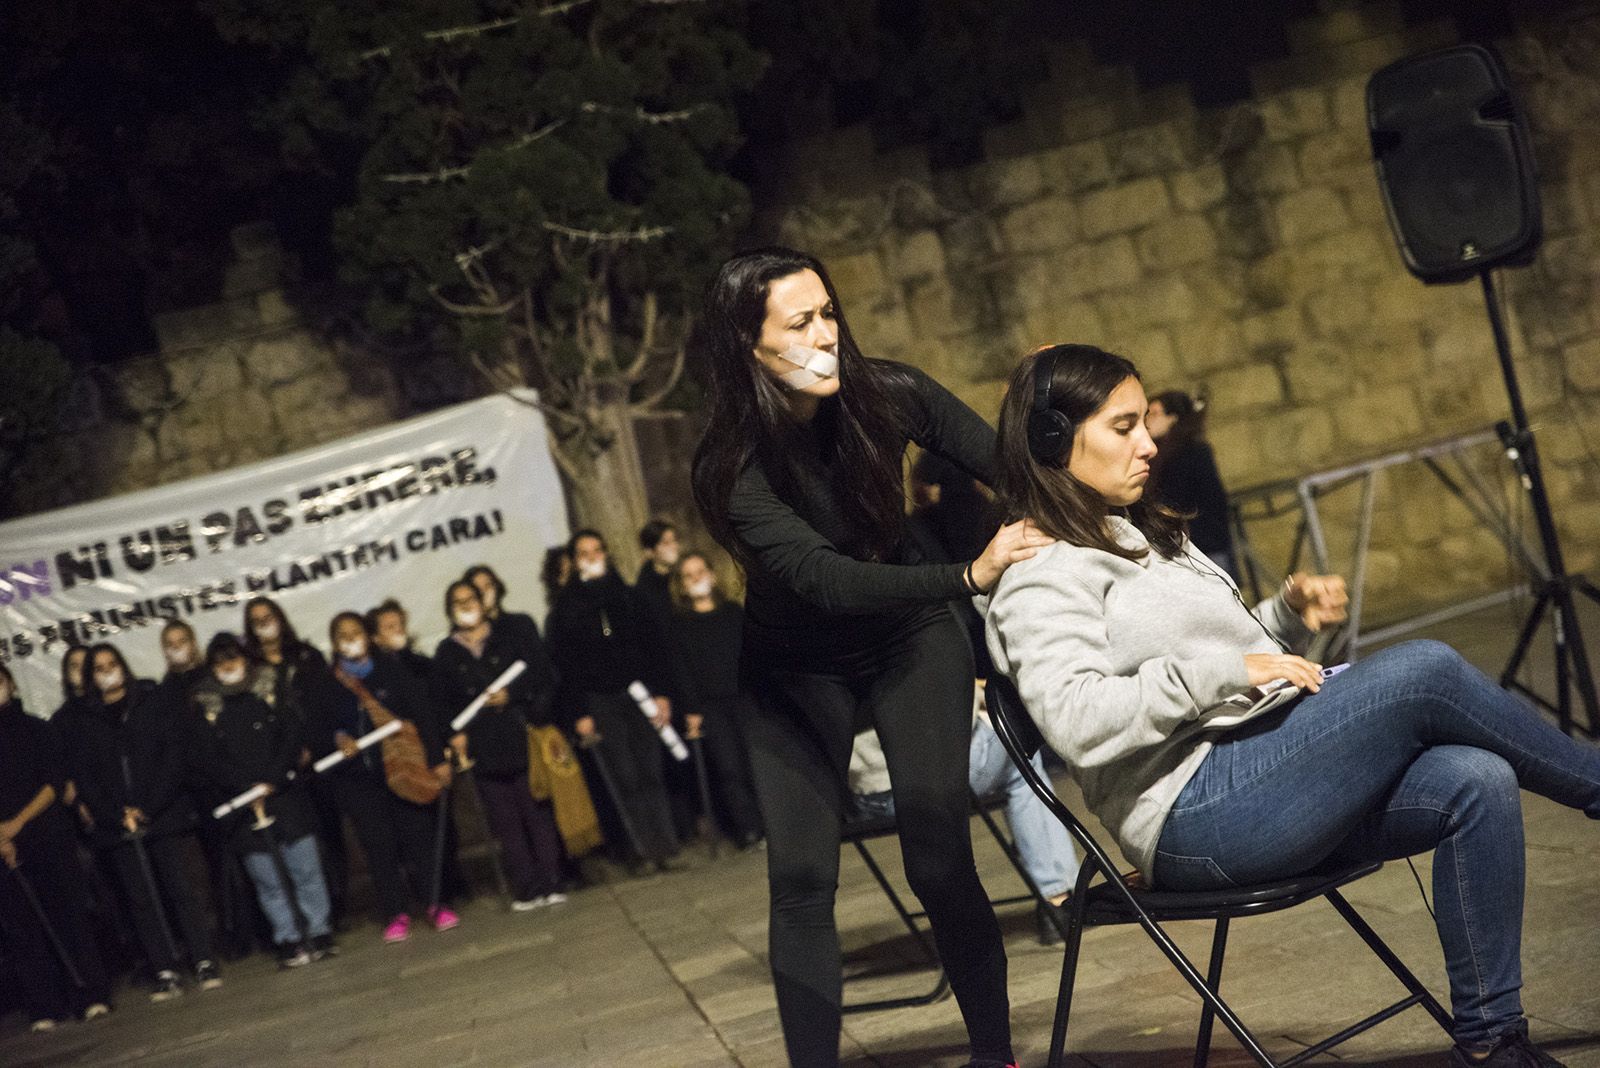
column 1243, row 251
column 234, row 382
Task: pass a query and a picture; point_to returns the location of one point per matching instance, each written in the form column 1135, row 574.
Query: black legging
column 633, row 754
column 175, row 897
column 48, row 860
column 729, row 769
column 917, row 688
column 397, row 838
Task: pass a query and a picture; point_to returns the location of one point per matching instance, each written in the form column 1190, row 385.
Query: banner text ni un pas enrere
column 396, row 512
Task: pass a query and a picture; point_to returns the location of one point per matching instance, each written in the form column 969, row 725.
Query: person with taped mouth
column 799, row 477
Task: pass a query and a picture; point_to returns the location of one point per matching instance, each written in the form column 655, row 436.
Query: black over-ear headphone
column 1049, row 430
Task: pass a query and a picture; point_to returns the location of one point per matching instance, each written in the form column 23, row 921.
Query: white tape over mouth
column 811, row 366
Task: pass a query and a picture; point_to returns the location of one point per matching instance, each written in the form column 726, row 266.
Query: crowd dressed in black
column 113, row 859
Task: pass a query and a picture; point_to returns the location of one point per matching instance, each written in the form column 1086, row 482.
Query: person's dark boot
column 1510, row 1050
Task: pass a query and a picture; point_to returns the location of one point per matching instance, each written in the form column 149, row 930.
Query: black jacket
column 603, row 637
column 706, row 651
column 129, row 754
column 497, row 739
column 244, row 735
column 334, row 708
column 31, row 758
column 1188, row 481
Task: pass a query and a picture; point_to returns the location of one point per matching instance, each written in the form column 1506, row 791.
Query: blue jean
column 1046, row 848
column 305, row 871
column 1410, row 750
column 1044, row 844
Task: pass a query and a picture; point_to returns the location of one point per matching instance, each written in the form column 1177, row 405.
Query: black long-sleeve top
column 129, row 753
column 1188, row 480
column 604, row 639
column 335, row 708
column 248, row 734
column 31, row 758
column 809, row 601
column 497, row 738
column 929, row 540
column 707, row 645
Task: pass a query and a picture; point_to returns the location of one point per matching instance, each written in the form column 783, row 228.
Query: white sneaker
column 557, row 898
column 41, row 1026
column 530, row 904
column 97, row 1010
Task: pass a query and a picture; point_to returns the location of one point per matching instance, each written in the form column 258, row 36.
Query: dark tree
column 540, row 187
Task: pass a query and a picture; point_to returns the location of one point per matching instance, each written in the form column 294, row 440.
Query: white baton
column 372, row 737
column 506, row 678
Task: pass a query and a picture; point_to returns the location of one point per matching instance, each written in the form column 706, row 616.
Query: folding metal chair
column 859, row 831
column 1113, row 901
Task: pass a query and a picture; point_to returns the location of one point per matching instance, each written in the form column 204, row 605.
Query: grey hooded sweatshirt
column 1118, row 661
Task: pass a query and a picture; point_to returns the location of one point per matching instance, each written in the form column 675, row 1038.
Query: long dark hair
column 91, row 688
column 1189, row 426
column 751, row 420
column 449, row 592
column 72, row 682
column 1082, row 377
column 471, row 575
column 288, row 638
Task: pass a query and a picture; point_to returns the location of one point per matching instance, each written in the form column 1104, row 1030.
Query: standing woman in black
column 302, row 670
column 799, row 477
column 36, row 841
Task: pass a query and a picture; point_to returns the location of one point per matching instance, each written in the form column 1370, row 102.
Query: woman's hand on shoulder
column 1319, row 600
column 1011, row 544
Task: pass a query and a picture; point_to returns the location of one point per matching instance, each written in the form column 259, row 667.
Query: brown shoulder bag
column 405, row 764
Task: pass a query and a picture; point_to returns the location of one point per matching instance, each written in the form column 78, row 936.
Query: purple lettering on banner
column 23, row 582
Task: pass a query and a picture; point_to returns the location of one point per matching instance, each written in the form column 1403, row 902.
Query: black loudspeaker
column 1455, row 163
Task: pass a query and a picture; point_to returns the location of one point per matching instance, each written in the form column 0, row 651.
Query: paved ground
column 668, row 972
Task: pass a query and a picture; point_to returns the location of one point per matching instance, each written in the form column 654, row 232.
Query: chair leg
column 1186, row 968
column 1009, row 846
column 941, row 985
column 1069, row 975
column 1387, row 955
column 899, row 907
column 1219, row 946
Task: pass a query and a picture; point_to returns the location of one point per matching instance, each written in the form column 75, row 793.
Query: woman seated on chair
column 1125, row 641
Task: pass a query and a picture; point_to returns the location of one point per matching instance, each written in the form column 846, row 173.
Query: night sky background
column 145, row 124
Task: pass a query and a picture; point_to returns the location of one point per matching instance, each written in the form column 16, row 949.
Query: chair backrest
column 1020, row 735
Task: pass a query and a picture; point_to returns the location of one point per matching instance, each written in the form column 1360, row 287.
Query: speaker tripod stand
column 1555, row 592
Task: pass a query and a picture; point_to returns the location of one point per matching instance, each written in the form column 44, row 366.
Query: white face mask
column 108, row 680
column 356, row 650
column 468, row 618
column 395, row 642
column 589, row 570
column 267, row 632
column 181, row 657
column 700, row 589
column 233, row 677
column 811, row 367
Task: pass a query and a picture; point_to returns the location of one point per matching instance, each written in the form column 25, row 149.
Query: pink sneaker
column 399, row 929
column 443, row 917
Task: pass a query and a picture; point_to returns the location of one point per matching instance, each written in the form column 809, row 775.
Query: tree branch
column 647, row 233
column 653, row 399
column 445, row 174
column 487, row 311
column 647, row 338
column 653, row 118
column 477, row 29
